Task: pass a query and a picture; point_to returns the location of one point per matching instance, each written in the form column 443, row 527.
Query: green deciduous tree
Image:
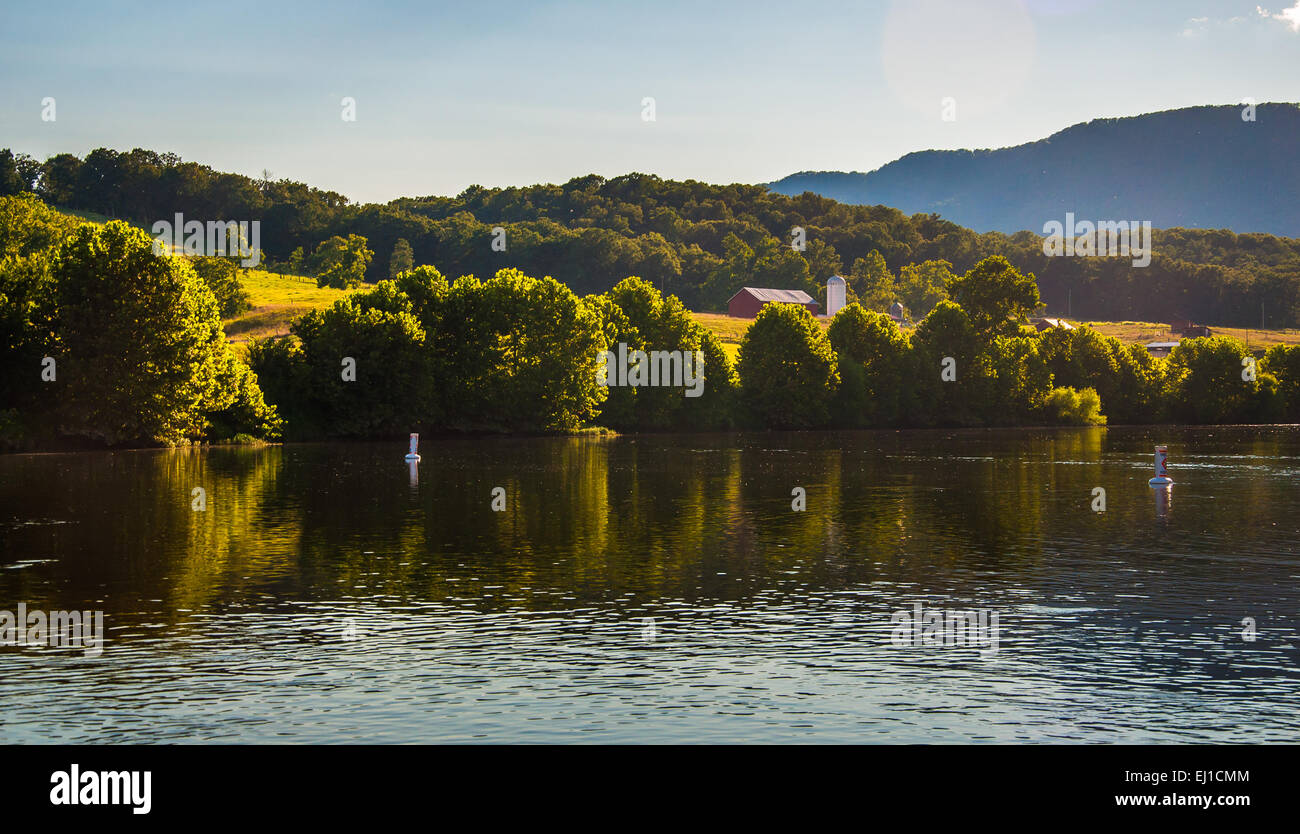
column 362, row 366
column 997, row 297
column 952, row 371
column 637, row 315
column 29, row 232
column 402, row 259
column 787, row 369
column 341, row 262
column 222, row 277
column 28, row 226
column 875, row 368
column 1205, row 383
column 872, row 282
column 17, row 172
column 530, row 352
column 1139, row 395
column 141, row 355
column 1022, row 382
column 923, row 285
column 1283, row 362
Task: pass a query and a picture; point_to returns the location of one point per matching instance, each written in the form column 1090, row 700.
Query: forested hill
column 698, row 241
column 1199, row 167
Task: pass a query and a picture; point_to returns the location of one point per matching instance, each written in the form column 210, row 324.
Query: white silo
column 836, row 292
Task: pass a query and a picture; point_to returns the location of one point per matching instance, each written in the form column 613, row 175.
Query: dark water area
column 662, row 588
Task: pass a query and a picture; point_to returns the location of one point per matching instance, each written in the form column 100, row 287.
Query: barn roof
column 788, row 296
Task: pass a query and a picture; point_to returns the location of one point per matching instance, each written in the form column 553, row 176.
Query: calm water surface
column 661, row 588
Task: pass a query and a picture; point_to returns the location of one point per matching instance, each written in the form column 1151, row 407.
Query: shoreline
column 605, row 434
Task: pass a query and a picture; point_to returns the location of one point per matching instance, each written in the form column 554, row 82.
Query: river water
column 663, row 588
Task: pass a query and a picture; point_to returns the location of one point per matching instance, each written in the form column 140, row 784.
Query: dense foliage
column 107, row 341
column 513, row 353
column 696, row 241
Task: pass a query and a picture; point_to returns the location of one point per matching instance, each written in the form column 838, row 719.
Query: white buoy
column 1162, row 478
column 415, row 444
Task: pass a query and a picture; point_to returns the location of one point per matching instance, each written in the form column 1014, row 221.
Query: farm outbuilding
column 746, row 303
column 1188, row 328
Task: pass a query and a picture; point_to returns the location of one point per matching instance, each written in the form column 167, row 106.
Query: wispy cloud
column 1195, row 26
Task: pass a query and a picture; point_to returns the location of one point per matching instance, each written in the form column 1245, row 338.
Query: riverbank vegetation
column 106, row 342
column 517, row 353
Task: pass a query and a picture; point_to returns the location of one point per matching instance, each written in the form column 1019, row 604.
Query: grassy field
column 728, row 330
column 732, row 330
column 277, row 301
column 1143, row 332
column 270, row 288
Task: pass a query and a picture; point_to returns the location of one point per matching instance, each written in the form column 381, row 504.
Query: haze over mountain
column 1199, row 167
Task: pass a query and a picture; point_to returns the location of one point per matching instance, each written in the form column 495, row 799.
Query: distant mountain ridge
column 1198, row 167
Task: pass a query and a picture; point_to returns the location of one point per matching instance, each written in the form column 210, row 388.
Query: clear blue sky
column 518, row 93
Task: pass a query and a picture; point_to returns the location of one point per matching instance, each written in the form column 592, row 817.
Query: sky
column 507, row 93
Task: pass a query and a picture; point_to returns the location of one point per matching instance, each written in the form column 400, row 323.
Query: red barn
column 746, row 303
